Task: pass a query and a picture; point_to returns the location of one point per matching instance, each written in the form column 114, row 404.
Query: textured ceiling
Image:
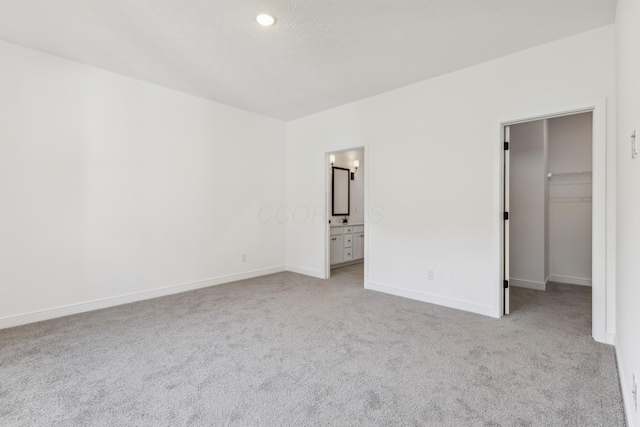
column 320, row 54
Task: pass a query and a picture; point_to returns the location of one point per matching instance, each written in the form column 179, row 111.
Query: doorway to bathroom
column 346, row 216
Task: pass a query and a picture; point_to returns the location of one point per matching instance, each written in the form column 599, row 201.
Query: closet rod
column 552, row 174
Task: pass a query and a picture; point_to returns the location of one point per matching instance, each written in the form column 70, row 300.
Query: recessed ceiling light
column 265, row 20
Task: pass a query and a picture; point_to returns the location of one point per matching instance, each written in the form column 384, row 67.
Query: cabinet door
column 337, row 250
column 348, row 254
column 358, row 245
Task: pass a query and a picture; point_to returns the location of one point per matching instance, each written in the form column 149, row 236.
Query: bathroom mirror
column 340, row 191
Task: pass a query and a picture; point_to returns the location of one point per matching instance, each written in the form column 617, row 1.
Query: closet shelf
column 570, row 178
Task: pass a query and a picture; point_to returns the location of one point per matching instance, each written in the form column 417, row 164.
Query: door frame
column 327, row 226
column 599, row 219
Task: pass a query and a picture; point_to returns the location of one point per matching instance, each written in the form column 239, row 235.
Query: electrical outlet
column 244, row 257
column 430, row 275
column 634, row 392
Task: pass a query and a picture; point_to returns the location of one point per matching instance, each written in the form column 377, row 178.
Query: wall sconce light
column 356, row 165
column 332, row 159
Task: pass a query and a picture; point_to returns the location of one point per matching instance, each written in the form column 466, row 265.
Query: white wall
column 628, row 212
column 433, row 152
column 527, row 205
column 110, row 187
column 570, row 210
column 345, row 159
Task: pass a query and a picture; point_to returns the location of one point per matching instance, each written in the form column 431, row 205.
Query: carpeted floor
column 289, row 350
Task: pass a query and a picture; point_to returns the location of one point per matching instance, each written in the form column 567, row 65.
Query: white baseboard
column 433, row 299
column 52, row 313
column 629, row 406
column 305, row 271
column 519, row 283
column 345, row 264
column 570, row 280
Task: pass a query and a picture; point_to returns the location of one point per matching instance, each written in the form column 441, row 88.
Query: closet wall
column 570, row 190
column 528, row 248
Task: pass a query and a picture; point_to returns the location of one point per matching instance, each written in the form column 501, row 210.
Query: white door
column 506, row 285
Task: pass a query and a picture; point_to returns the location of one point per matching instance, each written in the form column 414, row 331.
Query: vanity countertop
column 347, row 225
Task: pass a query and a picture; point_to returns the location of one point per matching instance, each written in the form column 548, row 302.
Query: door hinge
column 506, row 284
column 506, row 216
column 506, row 145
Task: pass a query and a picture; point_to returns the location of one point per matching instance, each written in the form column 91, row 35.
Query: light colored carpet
column 289, row 350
